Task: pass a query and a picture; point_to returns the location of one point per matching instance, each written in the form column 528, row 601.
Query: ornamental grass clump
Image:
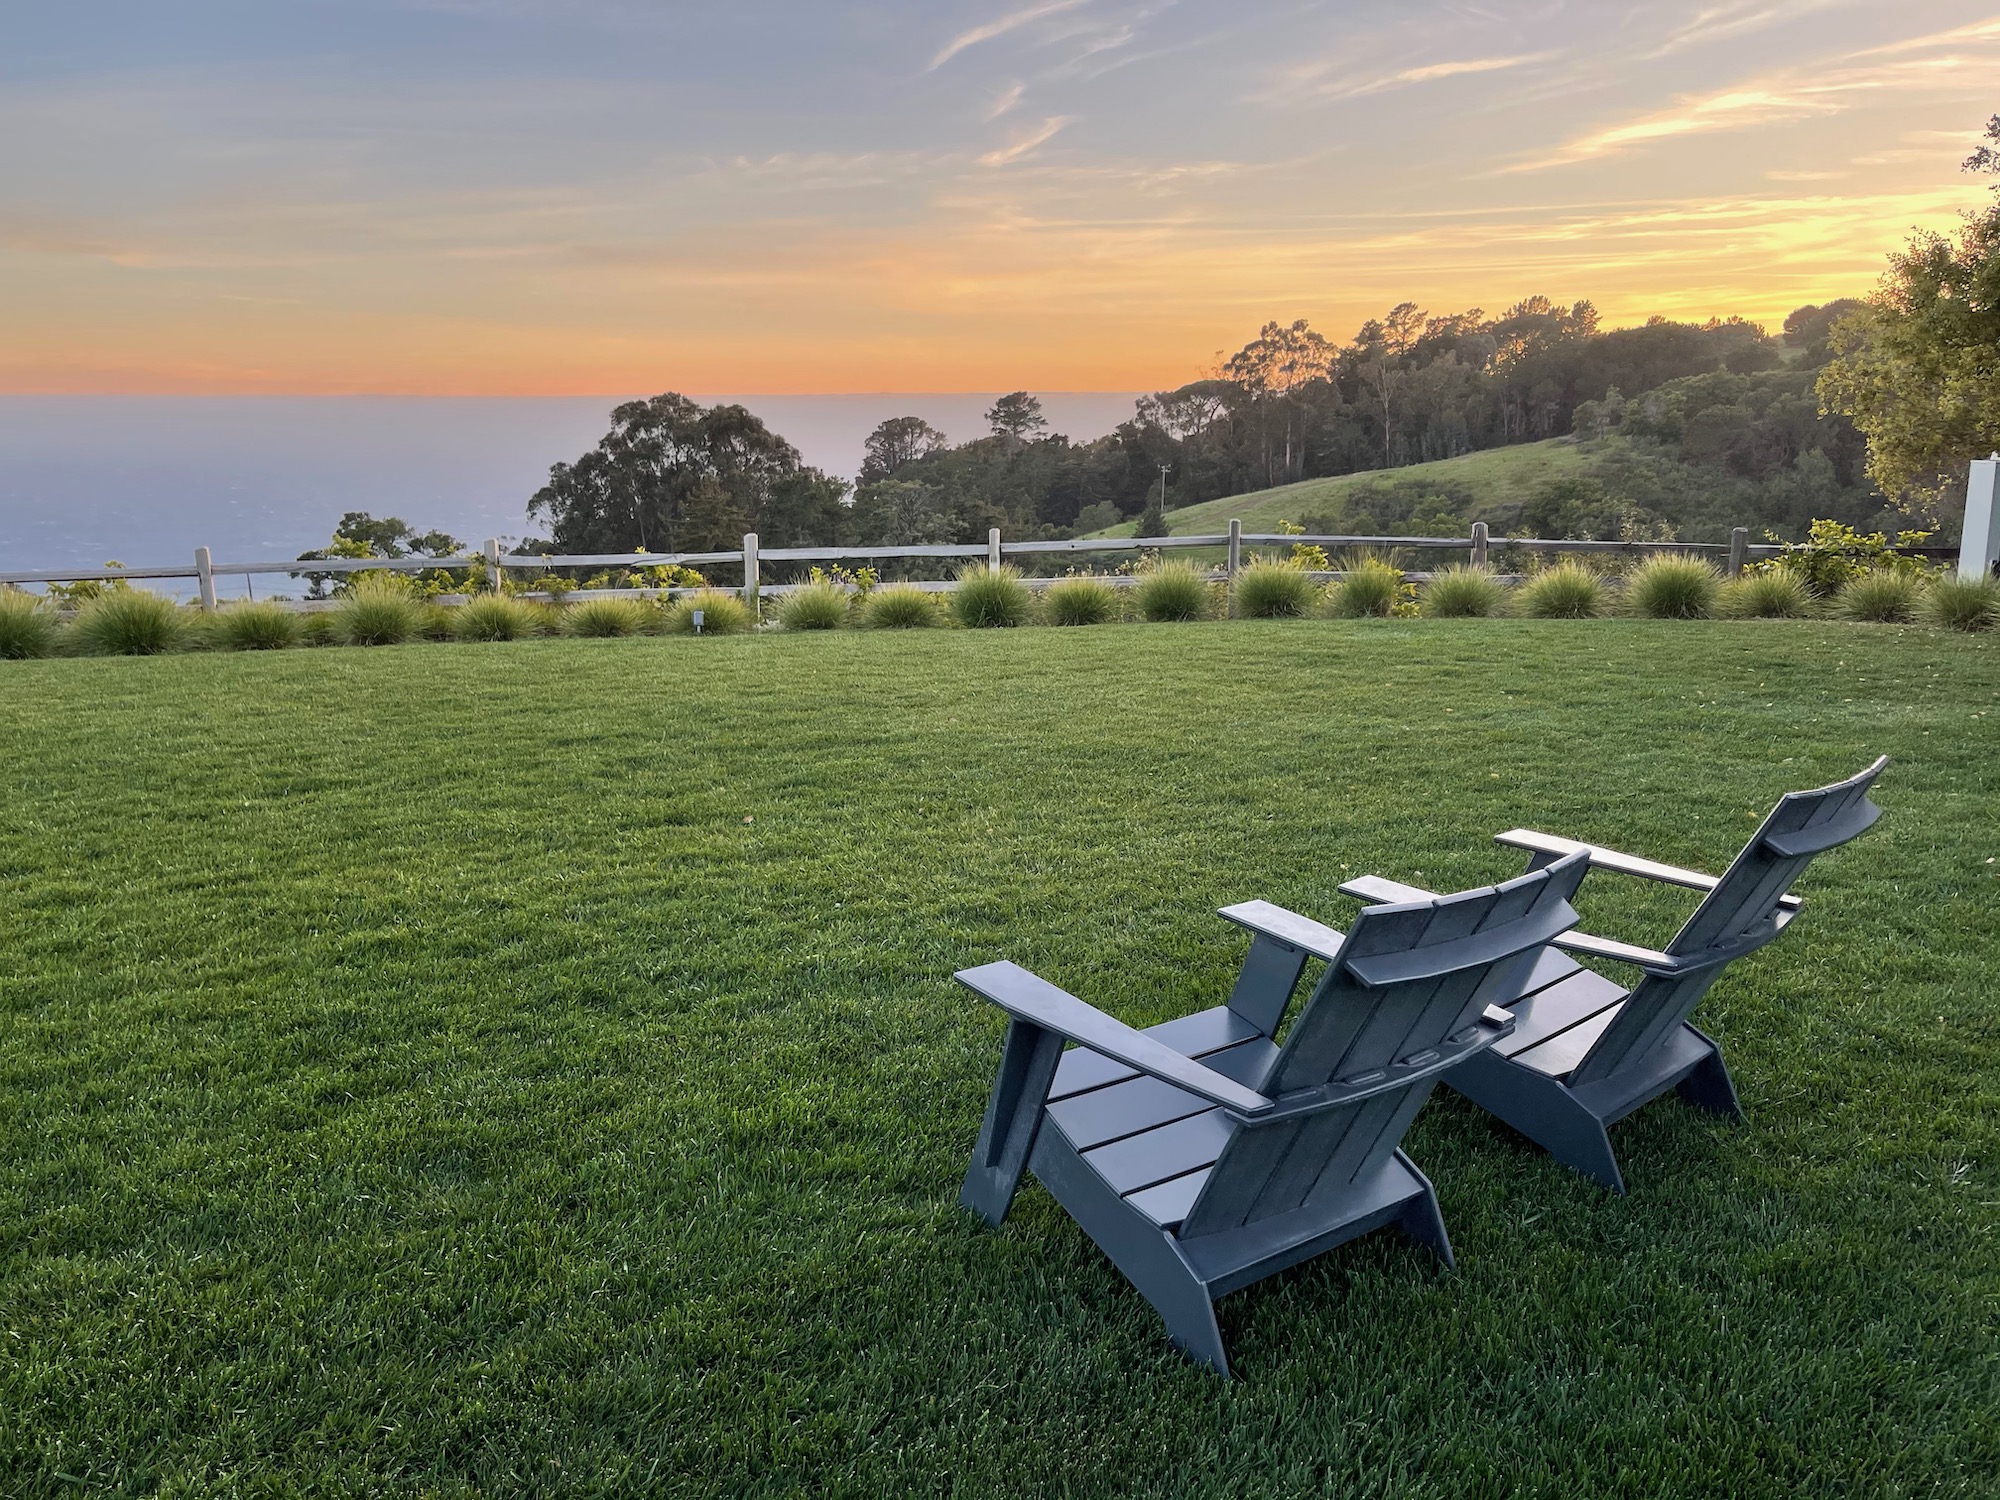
column 1173, row 591
column 378, row 611
column 1672, row 586
column 603, row 618
column 495, row 617
column 900, row 606
column 1962, row 604
column 1372, row 589
column 130, row 622
column 988, row 598
column 817, row 606
column 27, row 628
column 1463, row 591
column 1568, row 591
column 721, row 614
column 1774, row 595
column 1080, row 601
column 1273, row 591
column 255, row 625
column 1885, row 596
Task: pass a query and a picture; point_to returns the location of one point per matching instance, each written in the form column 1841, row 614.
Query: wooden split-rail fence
column 753, row 558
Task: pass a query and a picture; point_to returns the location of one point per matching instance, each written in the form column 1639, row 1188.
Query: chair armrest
column 1028, row 997
column 1650, row 959
column 1382, row 891
column 1287, row 927
column 1618, row 862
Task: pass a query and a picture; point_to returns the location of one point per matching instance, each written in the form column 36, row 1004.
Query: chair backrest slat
column 1743, row 907
column 1352, row 1028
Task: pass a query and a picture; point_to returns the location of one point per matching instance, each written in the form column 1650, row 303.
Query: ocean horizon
column 145, row 480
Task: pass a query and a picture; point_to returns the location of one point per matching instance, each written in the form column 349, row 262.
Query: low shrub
column 900, row 606
column 1463, row 591
column 1373, row 588
column 1883, row 597
column 1080, row 601
column 606, row 617
column 1173, row 591
column 722, row 613
column 1568, row 591
column 378, row 611
column 988, row 598
column 27, row 626
column 1271, row 591
column 495, row 617
column 1672, row 586
column 1962, row 603
column 255, row 625
column 130, row 622
column 1774, row 595
column 817, row 606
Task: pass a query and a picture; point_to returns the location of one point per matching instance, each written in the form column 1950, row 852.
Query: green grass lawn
column 1501, row 476
column 535, row 1068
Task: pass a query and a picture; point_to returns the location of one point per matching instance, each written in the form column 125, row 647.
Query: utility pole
column 1165, row 470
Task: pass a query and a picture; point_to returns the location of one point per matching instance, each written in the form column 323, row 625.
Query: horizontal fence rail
column 751, row 556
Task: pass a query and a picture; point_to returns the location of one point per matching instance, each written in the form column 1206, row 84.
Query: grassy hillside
column 1503, row 476
column 463, row 1070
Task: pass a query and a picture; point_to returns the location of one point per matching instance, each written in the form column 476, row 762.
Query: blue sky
column 527, row 196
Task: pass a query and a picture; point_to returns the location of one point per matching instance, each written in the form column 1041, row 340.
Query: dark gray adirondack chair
column 1586, row 1052
column 1201, row 1155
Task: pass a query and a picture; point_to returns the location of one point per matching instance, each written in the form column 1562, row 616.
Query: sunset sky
column 539, row 197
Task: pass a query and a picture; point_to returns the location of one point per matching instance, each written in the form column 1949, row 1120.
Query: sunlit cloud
column 1005, row 101
column 1012, row 21
column 1040, row 135
column 1311, row 80
column 1717, row 23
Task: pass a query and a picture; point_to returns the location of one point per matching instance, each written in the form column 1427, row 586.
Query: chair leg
column 1541, row 1109
column 1422, row 1222
column 1013, row 1116
column 1708, row 1086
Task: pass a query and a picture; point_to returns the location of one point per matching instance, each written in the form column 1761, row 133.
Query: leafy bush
column 378, row 610
column 1269, row 590
column 1833, row 556
column 1568, row 591
column 1463, row 591
column 817, row 606
column 1672, row 586
column 1173, row 591
column 130, row 622
column 721, row 614
column 1883, row 597
column 1080, row 601
column 494, row 617
column 1772, row 595
column 606, row 617
column 900, row 606
column 1373, row 587
column 1962, row 603
column 27, row 628
column 255, row 625
column 990, row 597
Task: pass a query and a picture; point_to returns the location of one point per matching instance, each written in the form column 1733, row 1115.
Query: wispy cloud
column 1312, row 81
column 1717, row 23
column 1020, row 147
column 1007, row 99
column 1012, row 21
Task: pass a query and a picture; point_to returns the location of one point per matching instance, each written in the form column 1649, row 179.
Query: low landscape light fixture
column 697, row 620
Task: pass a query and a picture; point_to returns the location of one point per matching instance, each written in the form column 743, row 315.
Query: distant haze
column 147, row 479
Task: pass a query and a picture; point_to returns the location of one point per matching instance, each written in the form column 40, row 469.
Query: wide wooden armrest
column 1650, row 959
column 1382, row 891
column 1287, row 927
column 1618, row 862
column 1028, row 997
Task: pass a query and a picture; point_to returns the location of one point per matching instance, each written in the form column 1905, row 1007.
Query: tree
column 900, row 441
column 393, row 537
column 1014, row 416
column 673, row 475
column 1918, row 368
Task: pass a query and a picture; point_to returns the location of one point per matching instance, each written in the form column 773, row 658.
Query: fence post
column 1235, row 559
column 1479, row 544
column 993, row 548
column 1739, row 549
column 750, row 573
column 204, row 571
column 493, row 563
